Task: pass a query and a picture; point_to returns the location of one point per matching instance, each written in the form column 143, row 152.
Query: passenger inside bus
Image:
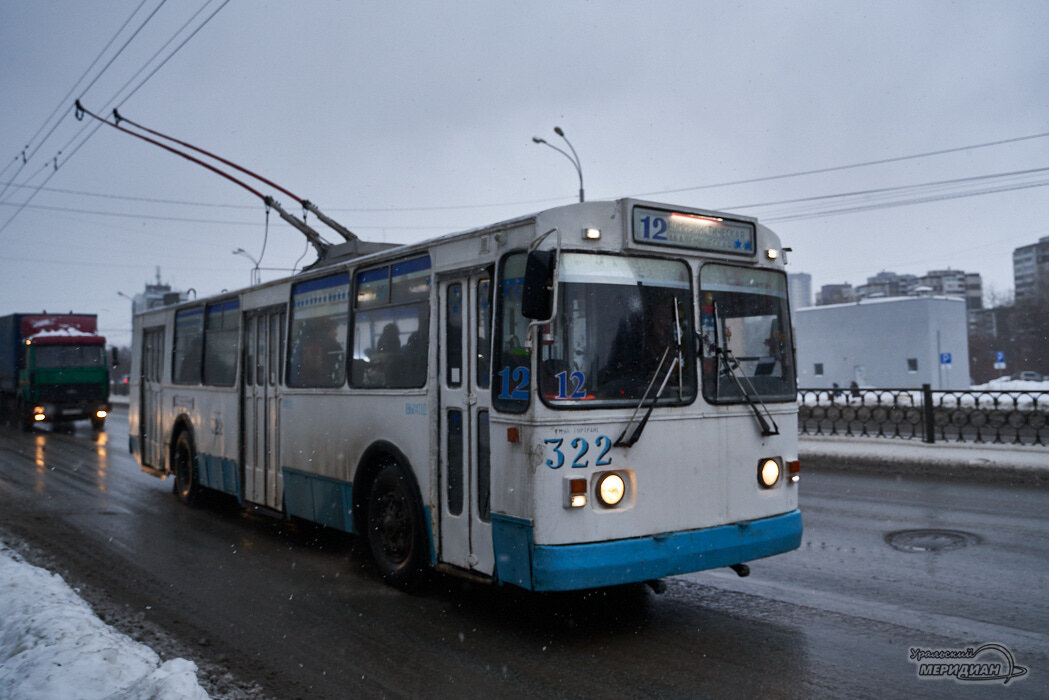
column 322, row 355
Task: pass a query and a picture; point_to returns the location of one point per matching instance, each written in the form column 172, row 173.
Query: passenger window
column 189, row 345
column 319, row 321
column 391, row 326
column 221, row 341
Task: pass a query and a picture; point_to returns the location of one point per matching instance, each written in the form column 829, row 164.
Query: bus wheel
column 183, row 461
column 98, row 423
column 396, row 529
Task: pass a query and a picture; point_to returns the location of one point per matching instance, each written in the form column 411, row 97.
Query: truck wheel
column 184, row 464
column 98, row 423
column 396, row 529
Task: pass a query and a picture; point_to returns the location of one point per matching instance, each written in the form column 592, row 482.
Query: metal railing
column 1000, row 417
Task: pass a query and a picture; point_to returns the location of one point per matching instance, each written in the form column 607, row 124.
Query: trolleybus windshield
column 743, row 313
column 614, row 323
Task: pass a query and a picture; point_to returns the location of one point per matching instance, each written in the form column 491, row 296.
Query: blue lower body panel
column 319, row 499
column 593, row 565
column 218, row 473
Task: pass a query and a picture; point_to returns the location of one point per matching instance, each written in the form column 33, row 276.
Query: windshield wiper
column 742, row 381
column 677, row 362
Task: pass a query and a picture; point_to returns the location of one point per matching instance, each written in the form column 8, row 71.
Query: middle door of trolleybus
column 260, row 404
column 464, row 377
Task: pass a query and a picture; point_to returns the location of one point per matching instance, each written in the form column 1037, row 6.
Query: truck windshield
column 743, row 315
column 617, row 319
column 58, row 356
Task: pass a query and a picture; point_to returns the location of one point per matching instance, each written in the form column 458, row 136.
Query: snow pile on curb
column 53, row 646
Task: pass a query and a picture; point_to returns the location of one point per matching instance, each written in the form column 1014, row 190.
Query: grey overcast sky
column 406, row 120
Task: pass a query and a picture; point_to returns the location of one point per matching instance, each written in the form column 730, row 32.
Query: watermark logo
column 987, row 663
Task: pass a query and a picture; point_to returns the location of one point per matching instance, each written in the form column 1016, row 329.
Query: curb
column 975, row 473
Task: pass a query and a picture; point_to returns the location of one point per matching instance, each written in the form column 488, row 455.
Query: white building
column 895, row 342
column 800, row 289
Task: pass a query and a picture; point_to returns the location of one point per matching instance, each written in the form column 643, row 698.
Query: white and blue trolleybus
column 597, row 394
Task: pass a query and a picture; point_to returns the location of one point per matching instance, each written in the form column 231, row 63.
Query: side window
column 484, row 468
column 453, row 336
column 391, row 326
column 511, row 371
column 189, row 345
column 251, row 325
column 317, row 333
column 221, row 343
column 276, row 352
column 484, row 332
column 152, row 354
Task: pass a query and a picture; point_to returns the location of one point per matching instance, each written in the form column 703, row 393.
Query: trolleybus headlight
column 611, row 489
column 768, row 472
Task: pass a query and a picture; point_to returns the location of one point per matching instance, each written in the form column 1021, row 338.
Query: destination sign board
column 699, row 232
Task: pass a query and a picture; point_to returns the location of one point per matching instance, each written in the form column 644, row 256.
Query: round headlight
column 611, row 489
column 768, row 473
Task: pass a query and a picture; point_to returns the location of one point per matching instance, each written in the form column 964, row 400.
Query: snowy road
column 299, row 611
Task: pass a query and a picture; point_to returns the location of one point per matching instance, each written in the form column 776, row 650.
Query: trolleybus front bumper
column 521, row 562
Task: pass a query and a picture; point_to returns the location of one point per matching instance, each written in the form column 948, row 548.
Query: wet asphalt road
column 299, row 611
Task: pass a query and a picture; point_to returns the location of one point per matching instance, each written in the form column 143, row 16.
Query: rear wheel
column 396, row 529
column 183, row 463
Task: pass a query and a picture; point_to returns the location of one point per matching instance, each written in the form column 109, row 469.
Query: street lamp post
column 573, row 159
column 255, row 275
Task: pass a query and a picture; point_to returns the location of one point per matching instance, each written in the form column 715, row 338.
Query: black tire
column 397, row 530
column 98, row 423
column 184, row 465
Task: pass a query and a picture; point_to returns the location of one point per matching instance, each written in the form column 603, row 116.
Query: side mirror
column 537, row 296
column 116, row 358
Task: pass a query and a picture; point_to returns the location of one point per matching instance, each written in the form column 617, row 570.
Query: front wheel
column 396, row 529
column 183, row 462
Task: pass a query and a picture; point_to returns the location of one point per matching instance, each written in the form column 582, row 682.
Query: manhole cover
column 930, row 540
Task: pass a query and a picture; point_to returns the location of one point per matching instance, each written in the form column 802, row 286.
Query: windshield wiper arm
column 678, row 362
column 623, row 440
column 733, row 369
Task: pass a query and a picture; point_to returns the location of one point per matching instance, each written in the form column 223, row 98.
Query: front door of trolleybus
column 465, row 467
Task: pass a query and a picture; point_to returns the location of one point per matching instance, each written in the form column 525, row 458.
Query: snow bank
column 53, row 646
column 1012, row 385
